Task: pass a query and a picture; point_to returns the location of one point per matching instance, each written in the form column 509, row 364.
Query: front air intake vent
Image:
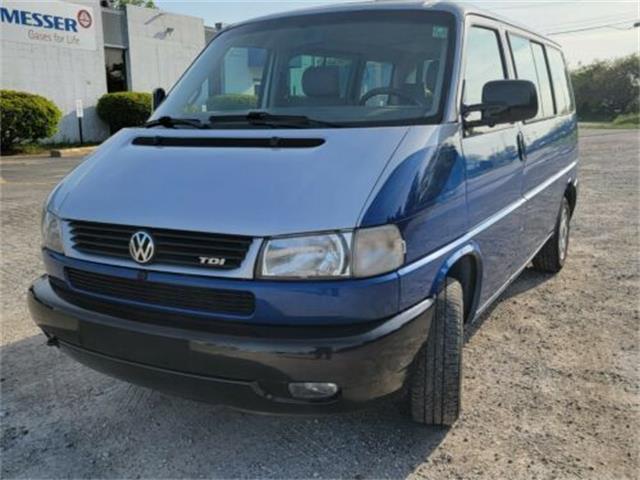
column 228, row 142
column 198, row 299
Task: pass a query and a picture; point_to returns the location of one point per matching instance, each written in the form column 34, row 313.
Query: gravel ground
column 551, row 382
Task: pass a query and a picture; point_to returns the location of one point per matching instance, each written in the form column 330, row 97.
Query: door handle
column 522, row 148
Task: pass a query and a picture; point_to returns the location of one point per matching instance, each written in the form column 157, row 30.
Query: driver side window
column 484, row 62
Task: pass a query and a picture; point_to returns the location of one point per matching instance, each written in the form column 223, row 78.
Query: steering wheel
column 394, row 92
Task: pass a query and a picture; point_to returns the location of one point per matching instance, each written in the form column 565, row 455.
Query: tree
column 138, row 3
column 606, row 89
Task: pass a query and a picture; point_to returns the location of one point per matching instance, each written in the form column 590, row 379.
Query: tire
column 551, row 257
column 436, row 380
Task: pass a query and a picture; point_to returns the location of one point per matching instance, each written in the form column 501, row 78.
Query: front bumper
column 249, row 370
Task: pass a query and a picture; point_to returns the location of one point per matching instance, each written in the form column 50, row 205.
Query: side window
column 545, row 97
column 376, row 75
column 483, row 63
column 423, row 80
column 528, row 68
column 564, row 99
column 430, row 71
column 243, row 67
column 236, row 86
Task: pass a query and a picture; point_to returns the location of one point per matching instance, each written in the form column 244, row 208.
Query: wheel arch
column 465, row 265
column 571, row 194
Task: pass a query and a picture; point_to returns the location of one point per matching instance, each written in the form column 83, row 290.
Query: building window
column 116, row 70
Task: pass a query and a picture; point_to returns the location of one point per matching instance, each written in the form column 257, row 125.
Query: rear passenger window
column 564, row 99
column 483, row 64
column 544, row 82
column 530, row 64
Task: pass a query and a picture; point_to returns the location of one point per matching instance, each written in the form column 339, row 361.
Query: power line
column 531, row 5
column 588, row 22
column 594, row 27
column 572, row 24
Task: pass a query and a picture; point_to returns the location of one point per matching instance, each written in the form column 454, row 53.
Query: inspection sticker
column 440, row 32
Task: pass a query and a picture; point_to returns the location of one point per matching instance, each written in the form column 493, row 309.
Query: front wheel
column 435, row 383
column 553, row 254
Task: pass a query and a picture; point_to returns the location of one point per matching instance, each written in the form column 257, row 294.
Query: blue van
column 316, row 211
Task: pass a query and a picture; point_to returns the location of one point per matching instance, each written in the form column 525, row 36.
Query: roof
column 459, row 9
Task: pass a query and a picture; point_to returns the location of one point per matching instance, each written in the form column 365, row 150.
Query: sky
column 545, row 16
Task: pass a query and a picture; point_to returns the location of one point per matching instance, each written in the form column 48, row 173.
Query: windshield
column 355, row 69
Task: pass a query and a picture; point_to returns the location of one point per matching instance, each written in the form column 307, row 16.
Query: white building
column 73, row 52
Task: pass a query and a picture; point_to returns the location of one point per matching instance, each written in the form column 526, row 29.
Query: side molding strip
column 506, row 284
column 486, row 223
column 547, row 183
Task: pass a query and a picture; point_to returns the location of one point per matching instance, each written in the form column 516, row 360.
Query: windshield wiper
column 171, row 122
column 267, row 119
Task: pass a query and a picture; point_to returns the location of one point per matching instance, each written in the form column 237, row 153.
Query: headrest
column 416, row 90
column 321, row 81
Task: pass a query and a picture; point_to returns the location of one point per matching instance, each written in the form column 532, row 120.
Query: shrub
column 232, row 101
column 124, row 109
column 25, row 117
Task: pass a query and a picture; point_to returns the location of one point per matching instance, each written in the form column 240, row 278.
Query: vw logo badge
column 141, row 247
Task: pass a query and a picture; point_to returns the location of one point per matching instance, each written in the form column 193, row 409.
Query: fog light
column 313, row 390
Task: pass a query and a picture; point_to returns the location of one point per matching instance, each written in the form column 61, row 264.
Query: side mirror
column 505, row 101
column 158, row 97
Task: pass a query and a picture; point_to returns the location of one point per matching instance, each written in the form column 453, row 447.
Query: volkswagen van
column 317, row 210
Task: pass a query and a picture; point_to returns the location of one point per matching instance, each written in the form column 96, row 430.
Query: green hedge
column 25, row 117
column 232, row 101
column 124, row 109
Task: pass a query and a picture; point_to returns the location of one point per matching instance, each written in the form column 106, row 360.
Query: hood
column 256, row 191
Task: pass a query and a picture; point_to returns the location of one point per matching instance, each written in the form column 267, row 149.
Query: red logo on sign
column 84, row 19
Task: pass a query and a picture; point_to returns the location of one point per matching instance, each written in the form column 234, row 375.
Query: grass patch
column 629, row 119
column 608, row 126
column 621, row 122
column 37, row 148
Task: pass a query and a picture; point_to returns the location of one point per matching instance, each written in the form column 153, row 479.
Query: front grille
column 199, row 299
column 174, row 247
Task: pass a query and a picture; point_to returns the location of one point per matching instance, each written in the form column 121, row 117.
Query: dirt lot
column 551, row 383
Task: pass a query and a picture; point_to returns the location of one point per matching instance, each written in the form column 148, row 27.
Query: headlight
column 365, row 253
column 323, row 255
column 377, row 250
column 52, row 232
